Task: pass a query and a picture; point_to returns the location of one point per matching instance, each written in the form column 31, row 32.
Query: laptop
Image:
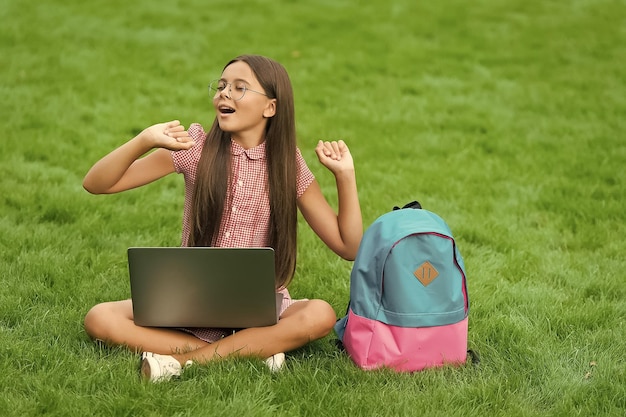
column 203, row 287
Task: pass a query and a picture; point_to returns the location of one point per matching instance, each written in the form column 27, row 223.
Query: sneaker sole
column 146, row 369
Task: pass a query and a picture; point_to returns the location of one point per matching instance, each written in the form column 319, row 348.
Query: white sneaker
column 159, row 368
column 275, row 362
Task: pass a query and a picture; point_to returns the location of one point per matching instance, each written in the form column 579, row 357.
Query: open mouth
column 226, row 110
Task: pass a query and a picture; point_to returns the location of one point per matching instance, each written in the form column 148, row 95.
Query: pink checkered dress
column 245, row 221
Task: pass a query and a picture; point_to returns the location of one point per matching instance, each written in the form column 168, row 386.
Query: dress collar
column 258, row 152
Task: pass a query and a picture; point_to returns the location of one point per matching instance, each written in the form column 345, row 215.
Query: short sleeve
column 305, row 176
column 187, row 160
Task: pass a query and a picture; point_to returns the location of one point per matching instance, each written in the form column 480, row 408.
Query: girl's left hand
column 334, row 155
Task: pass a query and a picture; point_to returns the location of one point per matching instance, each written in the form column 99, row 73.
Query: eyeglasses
column 236, row 90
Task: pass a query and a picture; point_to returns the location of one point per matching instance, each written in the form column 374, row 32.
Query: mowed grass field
column 507, row 118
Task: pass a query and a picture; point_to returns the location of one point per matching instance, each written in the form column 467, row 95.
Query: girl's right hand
column 170, row 135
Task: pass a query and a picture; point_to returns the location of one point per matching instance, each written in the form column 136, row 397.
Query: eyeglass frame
column 230, row 89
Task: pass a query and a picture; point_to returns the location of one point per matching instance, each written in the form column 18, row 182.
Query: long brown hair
column 280, row 149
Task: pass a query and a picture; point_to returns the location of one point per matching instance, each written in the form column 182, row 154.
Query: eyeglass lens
column 235, row 91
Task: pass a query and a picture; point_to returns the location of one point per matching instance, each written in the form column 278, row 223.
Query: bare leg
column 300, row 324
column 112, row 322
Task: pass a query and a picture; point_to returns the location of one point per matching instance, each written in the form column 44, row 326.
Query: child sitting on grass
column 244, row 181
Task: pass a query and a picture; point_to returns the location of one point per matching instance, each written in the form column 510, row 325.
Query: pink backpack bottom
column 372, row 344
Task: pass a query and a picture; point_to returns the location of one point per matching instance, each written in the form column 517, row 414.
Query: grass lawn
column 506, row 117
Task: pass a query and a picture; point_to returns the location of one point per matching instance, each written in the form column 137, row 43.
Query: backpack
column 409, row 305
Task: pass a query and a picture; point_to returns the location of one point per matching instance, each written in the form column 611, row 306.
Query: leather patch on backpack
column 426, row 273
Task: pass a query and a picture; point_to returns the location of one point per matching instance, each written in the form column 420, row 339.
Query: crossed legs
column 301, row 323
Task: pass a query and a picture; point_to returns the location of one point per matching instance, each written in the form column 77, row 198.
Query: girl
column 244, row 181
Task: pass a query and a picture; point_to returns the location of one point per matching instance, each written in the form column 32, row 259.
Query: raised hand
column 170, row 135
column 334, row 155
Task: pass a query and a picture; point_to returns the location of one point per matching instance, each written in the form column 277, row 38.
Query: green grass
column 505, row 117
